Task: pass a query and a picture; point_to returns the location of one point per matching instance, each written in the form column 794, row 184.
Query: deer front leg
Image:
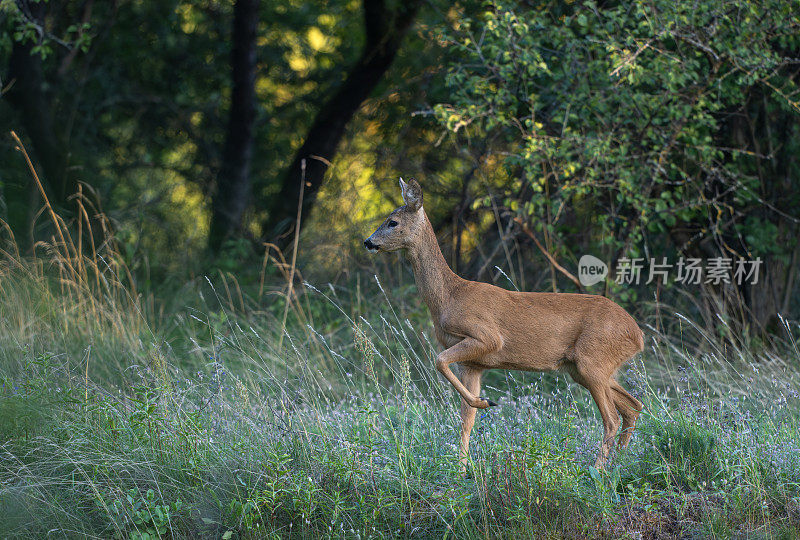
column 468, row 349
column 471, row 378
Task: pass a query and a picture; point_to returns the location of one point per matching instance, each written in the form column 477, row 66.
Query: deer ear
column 412, row 194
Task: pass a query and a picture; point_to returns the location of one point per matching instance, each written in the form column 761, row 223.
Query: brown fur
column 485, row 327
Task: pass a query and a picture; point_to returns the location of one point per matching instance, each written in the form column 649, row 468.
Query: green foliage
column 544, row 481
column 688, row 453
column 24, row 28
column 141, row 517
column 27, row 403
column 617, row 118
column 138, row 95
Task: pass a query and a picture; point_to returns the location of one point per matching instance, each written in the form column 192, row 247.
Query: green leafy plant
column 142, row 517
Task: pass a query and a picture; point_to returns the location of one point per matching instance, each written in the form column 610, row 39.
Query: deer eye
column 392, row 224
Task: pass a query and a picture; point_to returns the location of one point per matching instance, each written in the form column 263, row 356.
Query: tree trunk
column 27, row 96
column 385, row 29
column 233, row 181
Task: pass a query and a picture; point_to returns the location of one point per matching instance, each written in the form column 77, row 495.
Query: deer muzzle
column 372, row 248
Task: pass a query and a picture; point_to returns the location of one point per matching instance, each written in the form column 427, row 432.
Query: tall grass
column 121, row 420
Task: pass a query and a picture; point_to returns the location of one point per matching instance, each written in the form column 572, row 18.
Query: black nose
column 369, row 245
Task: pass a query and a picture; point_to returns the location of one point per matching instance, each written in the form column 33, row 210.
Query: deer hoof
column 490, row 402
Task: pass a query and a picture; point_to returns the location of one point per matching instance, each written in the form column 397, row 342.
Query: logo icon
column 591, row 270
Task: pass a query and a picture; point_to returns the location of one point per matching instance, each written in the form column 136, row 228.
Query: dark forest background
column 540, row 131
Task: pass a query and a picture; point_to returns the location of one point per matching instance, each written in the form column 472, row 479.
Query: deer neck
column 432, row 274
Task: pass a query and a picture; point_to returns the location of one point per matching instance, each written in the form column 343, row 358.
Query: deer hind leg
column 471, row 378
column 601, row 392
column 629, row 408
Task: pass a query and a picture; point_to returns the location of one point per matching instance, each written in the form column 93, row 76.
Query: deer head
column 404, row 226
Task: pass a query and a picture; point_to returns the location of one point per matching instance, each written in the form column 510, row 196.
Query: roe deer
column 485, row 327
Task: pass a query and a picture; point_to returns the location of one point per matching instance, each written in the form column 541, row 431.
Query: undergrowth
column 254, row 414
column 115, row 431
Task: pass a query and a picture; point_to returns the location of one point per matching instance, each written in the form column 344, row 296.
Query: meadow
column 227, row 410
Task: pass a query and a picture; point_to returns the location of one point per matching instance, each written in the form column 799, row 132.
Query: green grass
column 121, row 420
